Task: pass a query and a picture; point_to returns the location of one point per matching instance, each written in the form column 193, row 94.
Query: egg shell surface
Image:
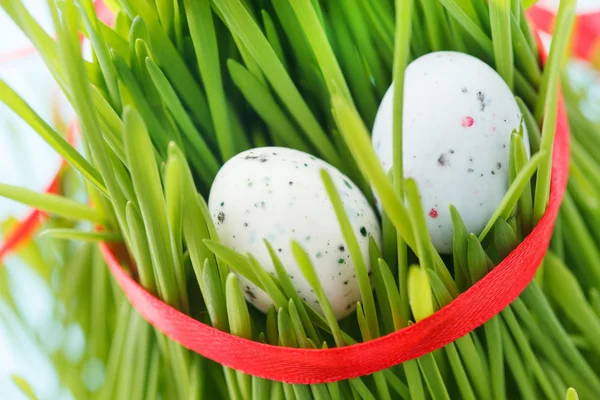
column 277, row 194
column 458, row 116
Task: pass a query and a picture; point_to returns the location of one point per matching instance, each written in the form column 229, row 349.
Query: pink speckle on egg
column 467, row 122
column 494, row 129
column 433, row 213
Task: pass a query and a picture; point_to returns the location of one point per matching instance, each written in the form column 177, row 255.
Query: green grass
column 179, row 87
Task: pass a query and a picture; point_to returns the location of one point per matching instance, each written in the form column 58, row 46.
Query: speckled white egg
column 277, row 194
column 457, row 121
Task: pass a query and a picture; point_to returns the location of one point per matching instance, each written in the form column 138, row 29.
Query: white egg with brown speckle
column 277, row 194
column 458, row 116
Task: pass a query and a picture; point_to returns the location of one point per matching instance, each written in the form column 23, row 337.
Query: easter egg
column 276, row 194
column 458, row 116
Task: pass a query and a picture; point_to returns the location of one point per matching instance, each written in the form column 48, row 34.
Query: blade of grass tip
column 358, row 140
column 263, row 103
column 235, row 260
column 533, row 129
column 101, row 51
column 272, row 330
column 13, row 101
column 505, row 238
column 360, row 267
column 534, row 298
column 392, row 295
column 459, row 243
column 476, row 259
column 309, row 273
column 510, row 199
column 502, row 39
column 140, row 249
column 419, row 293
column 288, row 339
column 76, row 234
column 52, row 204
column 240, row 22
column 174, row 198
column 122, row 23
column 195, row 232
column 248, row 61
column 297, row 325
column 24, row 387
column 134, row 97
column 519, row 373
column 110, row 124
column 572, row 394
column 419, row 225
column 268, row 282
column 525, row 58
column 526, row 200
column 212, row 230
column 290, row 292
column 362, row 323
column 528, row 355
column 239, row 324
column 559, row 280
column 204, row 37
column 167, row 57
column 545, row 106
column 383, row 301
column 147, row 184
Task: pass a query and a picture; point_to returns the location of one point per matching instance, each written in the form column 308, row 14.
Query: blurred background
column 36, row 334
